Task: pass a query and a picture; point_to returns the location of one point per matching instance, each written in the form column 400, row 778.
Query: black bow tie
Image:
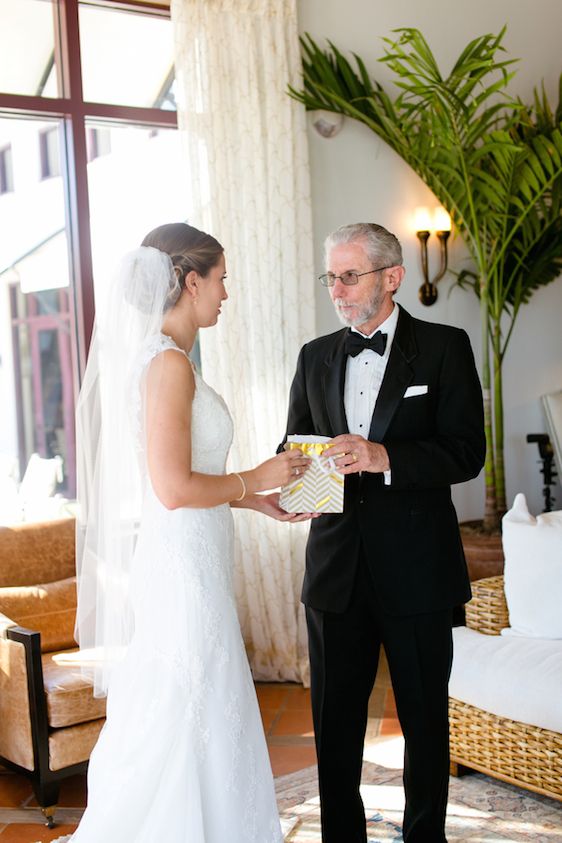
column 355, row 343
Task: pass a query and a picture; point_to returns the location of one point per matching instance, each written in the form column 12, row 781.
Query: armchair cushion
column 70, row 697
column 38, row 552
column 533, row 571
column 73, row 745
column 49, row 608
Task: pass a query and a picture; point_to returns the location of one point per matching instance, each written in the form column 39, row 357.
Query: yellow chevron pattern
column 314, row 491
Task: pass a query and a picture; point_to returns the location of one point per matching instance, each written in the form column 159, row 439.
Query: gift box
column 320, row 488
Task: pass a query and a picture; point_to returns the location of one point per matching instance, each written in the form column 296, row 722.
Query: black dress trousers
column 344, row 652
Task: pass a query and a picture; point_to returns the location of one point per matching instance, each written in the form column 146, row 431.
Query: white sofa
column 505, row 689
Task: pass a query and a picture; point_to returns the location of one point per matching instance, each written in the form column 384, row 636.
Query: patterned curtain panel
column 247, row 152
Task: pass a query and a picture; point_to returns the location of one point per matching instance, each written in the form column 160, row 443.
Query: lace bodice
column 211, row 423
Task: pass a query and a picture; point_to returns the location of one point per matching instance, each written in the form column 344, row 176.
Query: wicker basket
column 487, row 611
column 514, row 752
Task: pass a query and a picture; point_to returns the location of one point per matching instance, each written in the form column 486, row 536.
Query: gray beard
column 369, row 309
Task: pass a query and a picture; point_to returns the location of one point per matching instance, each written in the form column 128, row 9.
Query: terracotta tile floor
column 285, row 709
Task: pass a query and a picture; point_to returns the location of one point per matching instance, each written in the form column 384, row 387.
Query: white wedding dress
column 182, row 757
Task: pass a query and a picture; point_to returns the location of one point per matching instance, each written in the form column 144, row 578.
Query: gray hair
column 380, row 244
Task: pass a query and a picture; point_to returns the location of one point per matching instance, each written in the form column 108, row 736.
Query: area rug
column 481, row 809
column 287, row 823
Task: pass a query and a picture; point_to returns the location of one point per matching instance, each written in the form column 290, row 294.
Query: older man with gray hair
column 402, row 401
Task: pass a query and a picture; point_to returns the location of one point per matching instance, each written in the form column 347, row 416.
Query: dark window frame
column 73, row 112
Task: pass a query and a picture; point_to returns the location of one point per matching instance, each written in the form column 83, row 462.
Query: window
column 137, row 66
column 140, row 183
column 6, row 171
column 90, row 181
column 27, row 47
column 98, row 143
column 49, row 153
column 44, row 389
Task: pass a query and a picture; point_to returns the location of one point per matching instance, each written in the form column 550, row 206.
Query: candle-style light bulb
column 422, row 219
column 441, row 219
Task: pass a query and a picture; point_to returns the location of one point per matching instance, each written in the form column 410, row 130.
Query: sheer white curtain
column 247, row 150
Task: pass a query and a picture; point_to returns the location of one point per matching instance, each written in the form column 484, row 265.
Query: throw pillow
column 49, row 608
column 533, row 571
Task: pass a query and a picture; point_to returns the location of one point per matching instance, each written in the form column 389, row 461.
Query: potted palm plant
column 492, row 161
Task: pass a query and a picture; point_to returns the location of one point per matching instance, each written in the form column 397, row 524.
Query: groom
column 402, row 399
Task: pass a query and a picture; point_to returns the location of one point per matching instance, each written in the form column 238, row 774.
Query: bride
column 182, row 756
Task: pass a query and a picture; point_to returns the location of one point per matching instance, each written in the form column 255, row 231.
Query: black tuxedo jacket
column 408, row 529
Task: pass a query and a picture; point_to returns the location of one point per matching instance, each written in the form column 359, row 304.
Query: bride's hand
column 279, row 471
column 269, row 505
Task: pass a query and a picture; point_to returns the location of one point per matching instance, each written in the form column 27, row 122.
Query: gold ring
column 354, row 455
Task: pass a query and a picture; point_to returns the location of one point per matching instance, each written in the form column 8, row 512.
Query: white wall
column 355, row 177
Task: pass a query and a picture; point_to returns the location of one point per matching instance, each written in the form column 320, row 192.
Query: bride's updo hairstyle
column 188, row 248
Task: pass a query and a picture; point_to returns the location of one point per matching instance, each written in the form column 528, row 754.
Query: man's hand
column 352, row 453
column 269, row 505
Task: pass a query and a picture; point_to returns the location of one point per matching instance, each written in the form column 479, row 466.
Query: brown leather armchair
column 49, row 718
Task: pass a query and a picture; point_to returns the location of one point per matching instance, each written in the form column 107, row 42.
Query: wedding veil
column 110, row 439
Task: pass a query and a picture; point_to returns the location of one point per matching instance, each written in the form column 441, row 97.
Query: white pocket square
column 415, row 390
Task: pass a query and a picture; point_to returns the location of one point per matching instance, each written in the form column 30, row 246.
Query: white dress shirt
column 363, row 378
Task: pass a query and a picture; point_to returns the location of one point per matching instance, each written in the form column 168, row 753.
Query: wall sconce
column 327, row 123
column 440, row 222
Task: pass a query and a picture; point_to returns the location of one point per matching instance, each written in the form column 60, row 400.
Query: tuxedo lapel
column 333, row 380
column 397, row 377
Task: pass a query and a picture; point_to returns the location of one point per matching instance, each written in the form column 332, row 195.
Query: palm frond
column 493, row 161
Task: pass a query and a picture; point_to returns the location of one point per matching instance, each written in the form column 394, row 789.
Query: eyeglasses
column 347, row 278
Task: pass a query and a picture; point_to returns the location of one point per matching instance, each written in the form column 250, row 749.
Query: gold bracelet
column 243, row 495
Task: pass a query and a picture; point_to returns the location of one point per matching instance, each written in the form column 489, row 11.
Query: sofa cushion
column 49, row 608
column 533, row 571
column 517, row 678
column 70, row 697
